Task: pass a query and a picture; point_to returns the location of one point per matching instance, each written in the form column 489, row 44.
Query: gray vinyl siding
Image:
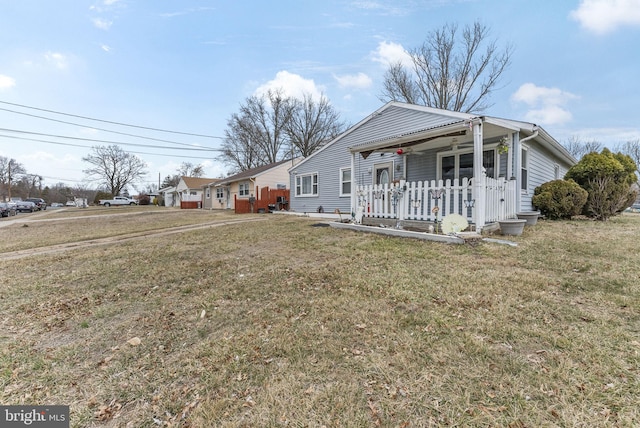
column 422, row 167
column 541, row 169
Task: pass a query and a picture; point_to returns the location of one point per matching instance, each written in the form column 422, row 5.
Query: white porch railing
column 432, row 200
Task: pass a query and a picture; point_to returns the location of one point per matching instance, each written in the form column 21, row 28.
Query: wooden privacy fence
column 265, row 201
column 432, row 200
column 188, row 202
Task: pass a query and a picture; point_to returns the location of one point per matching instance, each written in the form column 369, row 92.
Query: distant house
column 190, row 191
column 419, row 163
column 169, row 196
column 247, row 183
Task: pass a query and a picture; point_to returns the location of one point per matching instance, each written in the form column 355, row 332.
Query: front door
column 383, row 173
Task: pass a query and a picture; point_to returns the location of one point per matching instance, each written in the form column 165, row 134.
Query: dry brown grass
column 277, row 323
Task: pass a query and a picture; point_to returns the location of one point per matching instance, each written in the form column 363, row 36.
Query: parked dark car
column 26, row 206
column 7, row 210
column 40, row 203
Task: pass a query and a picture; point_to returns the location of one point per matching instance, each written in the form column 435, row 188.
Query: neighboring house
column 247, row 184
column 405, row 160
column 190, row 191
column 169, row 196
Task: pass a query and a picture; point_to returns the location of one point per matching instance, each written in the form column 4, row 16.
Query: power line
column 199, row 149
column 85, row 147
column 110, row 122
column 100, row 129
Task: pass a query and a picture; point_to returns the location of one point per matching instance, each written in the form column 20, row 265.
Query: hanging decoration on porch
column 396, row 193
column 454, row 223
column 362, row 200
column 436, row 193
column 503, row 145
column 435, row 211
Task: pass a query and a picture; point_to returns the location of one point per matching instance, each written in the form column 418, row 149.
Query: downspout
column 255, row 191
column 518, row 168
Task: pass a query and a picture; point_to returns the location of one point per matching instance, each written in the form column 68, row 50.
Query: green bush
column 608, row 178
column 559, row 199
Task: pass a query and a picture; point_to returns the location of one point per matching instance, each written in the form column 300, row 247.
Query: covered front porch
column 470, row 168
column 431, row 201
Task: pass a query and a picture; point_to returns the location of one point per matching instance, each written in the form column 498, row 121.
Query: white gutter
column 534, row 135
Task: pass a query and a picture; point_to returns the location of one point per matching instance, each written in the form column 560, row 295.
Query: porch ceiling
column 418, row 144
column 434, row 138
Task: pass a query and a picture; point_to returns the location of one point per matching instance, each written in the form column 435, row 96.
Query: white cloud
column 380, row 7
column 102, row 24
column 57, row 59
column 292, row 85
column 549, row 115
column 604, row 16
column 391, row 53
column 358, row 81
column 6, row 82
column 105, row 48
column 546, row 104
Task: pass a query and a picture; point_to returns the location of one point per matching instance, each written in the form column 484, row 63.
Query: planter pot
column 512, row 226
column 530, row 216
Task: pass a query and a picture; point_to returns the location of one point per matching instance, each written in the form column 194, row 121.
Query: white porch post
column 478, row 175
column 517, row 169
column 354, row 183
column 512, row 144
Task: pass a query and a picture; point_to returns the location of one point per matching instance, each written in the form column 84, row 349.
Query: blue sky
column 188, row 65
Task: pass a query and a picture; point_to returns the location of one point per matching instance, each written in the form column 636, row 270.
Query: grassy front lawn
column 279, row 323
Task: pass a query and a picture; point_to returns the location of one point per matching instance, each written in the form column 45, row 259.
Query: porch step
column 469, row 236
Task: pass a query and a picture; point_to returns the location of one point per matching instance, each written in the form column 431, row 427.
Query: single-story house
column 247, row 183
column 412, row 162
column 191, row 193
column 169, row 196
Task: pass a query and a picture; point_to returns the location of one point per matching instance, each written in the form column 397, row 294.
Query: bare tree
column 578, row 148
column 632, row 149
column 114, row 168
column 187, row 169
column 32, row 184
column 256, row 135
column 312, row 124
column 450, row 73
column 10, row 171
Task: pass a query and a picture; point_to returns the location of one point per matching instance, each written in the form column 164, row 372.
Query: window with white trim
column 307, row 185
column 208, row 192
column 243, row 189
column 345, row 181
column 460, row 164
column 219, row 193
column 524, row 169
